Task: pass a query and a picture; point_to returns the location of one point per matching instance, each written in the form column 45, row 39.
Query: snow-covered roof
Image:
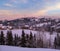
column 53, row 26
column 41, row 24
column 4, row 26
column 1, row 24
column 58, row 27
column 26, row 25
column 58, row 24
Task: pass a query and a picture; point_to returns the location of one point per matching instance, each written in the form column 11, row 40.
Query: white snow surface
column 19, row 31
column 10, row 48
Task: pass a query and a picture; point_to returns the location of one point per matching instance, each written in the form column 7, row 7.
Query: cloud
column 45, row 10
column 8, row 5
column 11, row 14
column 24, row 1
column 20, row 1
column 8, row 14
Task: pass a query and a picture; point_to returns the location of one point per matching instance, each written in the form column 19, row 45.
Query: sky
column 12, row 9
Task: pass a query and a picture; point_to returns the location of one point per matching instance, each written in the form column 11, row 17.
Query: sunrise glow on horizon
column 12, row 9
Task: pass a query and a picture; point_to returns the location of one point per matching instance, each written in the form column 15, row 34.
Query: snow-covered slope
column 10, row 48
column 45, row 35
column 19, row 31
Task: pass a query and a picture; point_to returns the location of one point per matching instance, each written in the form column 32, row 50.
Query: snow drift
column 10, row 48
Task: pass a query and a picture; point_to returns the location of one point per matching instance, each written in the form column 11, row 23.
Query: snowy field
column 19, row 31
column 10, row 48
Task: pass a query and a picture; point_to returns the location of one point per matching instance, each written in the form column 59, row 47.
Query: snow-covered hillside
column 45, row 35
column 10, row 48
column 19, row 31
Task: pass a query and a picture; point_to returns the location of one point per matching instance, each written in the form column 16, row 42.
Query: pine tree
column 39, row 43
column 58, row 39
column 27, row 40
column 31, row 36
column 31, row 40
column 34, row 40
column 9, row 38
column 19, row 41
column 15, row 40
column 55, row 42
column 23, row 39
column 2, row 39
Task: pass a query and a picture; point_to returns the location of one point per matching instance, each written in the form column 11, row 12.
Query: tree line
column 25, row 40
column 57, row 41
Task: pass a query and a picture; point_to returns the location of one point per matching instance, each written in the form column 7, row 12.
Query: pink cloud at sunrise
column 13, row 9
